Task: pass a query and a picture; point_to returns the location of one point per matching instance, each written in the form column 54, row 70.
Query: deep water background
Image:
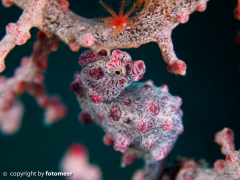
column 210, row 93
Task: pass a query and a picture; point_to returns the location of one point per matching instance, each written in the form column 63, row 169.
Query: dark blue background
column 210, row 93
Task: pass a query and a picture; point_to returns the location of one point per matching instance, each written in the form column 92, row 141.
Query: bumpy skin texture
column 143, row 117
column 154, row 22
column 107, row 76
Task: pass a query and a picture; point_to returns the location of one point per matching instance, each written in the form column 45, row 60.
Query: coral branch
column 225, row 139
column 76, row 162
column 18, row 33
column 228, row 169
column 153, row 23
column 29, row 78
column 10, row 120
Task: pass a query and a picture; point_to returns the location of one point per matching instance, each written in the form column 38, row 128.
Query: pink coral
column 151, row 24
column 29, row 78
column 76, row 162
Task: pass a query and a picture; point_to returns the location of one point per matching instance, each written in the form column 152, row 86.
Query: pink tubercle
column 150, row 82
column 147, row 88
column 183, row 17
column 36, row 89
column 39, row 78
column 117, row 54
column 121, row 144
column 138, row 70
column 55, row 112
column 127, row 159
column 227, row 134
column 219, row 165
column 191, row 164
column 160, row 154
column 87, row 40
column 148, row 143
column 20, row 87
column 61, row 111
column 43, row 100
column 74, row 47
column 201, row 7
column 188, row 176
column 113, row 62
column 25, row 61
column 11, row 28
column 152, row 108
column 84, row 117
column 178, row 67
column 78, row 150
column 180, row 130
column 165, row 98
column 232, row 157
column 22, row 37
column 76, row 161
column 107, row 140
column 77, row 74
column 122, row 81
column 167, row 125
column 64, row 4
column 7, row 3
column 95, row 96
column 54, row 46
column 96, row 73
column 178, row 100
column 42, row 64
column 75, row 86
column 164, row 88
column 87, row 57
column 143, row 125
column 115, row 113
